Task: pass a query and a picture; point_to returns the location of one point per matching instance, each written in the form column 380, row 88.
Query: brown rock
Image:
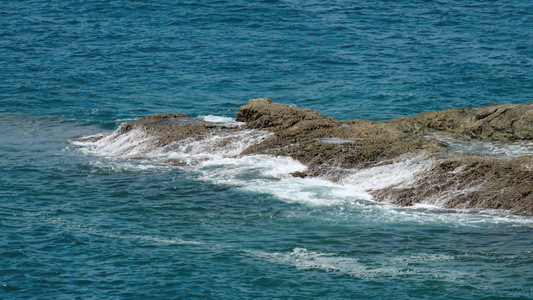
column 470, row 182
column 455, row 181
column 504, row 122
column 331, row 149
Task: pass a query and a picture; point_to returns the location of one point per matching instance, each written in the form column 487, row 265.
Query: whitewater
column 89, row 213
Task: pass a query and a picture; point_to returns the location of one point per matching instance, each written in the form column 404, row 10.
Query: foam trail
column 303, row 259
column 391, row 267
column 299, row 258
column 70, row 225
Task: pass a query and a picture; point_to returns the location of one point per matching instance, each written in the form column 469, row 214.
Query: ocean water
column 82, row 220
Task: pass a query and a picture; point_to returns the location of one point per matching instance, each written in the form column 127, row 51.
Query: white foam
column 100, row 166
column 425, row 206
column 163, row 240
column 217, row 159
column 227, row 121
column 272, row 175
column 401, row 173
column 133, row 143
column 138, row 144
column 270, row 167
column 436, row 215
column 310, row 191
column 212, row 147
column 303, row 259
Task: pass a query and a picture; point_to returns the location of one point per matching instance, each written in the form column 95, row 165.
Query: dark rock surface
column 332, row 149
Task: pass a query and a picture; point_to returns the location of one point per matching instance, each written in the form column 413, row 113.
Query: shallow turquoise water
column 83, row 226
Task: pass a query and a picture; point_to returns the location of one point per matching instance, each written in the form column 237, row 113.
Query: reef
column 333, row 150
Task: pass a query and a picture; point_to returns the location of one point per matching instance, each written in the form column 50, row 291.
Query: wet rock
column 332, row 149
column 467, row 182
column 169, row 128
column 299, row 174
column 90, row 138
column 300, row 134
column 176, row 163
column 262, row 113
column 455, row 180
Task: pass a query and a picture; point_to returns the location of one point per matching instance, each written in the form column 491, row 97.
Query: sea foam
column 401, row 174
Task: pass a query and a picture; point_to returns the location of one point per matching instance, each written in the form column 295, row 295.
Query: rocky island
column 334, row 150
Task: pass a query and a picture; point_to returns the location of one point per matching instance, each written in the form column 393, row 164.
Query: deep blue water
column 80, row 226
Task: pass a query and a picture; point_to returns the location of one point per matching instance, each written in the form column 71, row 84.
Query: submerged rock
column 336, row 150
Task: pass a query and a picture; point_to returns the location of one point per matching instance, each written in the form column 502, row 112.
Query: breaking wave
column 400, row 174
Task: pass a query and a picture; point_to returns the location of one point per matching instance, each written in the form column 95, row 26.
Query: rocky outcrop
column 455, row 180
column 334, row 149
column 504, row 122
column 168, row 128
column 324, row 144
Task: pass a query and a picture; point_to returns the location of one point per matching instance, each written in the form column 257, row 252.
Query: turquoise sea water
column 81, row 223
